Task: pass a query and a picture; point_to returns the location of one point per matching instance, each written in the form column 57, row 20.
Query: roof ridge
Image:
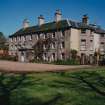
column 45, row 23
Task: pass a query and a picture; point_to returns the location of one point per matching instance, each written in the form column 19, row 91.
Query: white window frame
column 30, row 37
column 83, row 45
column 11, row 40
column 61, row 45
column 53, row 35
column 91, row 45
column 15, row 39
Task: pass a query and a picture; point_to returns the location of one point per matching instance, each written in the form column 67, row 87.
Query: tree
column 2, row 41
column 97, row 56
column 73, row 54
column 39, row 49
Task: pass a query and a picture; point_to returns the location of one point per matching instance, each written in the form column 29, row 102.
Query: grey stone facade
column 90, row 38
column 25, row 44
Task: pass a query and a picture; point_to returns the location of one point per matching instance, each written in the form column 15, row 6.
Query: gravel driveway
column 17, row 67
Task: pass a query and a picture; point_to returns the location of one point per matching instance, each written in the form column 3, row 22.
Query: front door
column 82, row 58
column 22, row 57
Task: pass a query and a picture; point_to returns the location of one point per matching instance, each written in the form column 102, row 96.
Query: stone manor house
column 82, row 36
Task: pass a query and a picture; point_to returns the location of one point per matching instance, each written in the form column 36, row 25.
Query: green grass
column 66, row 88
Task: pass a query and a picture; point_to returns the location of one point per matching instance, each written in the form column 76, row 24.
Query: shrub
column 67, row 62
column 102, row 62
column 7, row 57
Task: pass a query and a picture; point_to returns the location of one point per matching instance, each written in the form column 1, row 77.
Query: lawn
column 63, row 88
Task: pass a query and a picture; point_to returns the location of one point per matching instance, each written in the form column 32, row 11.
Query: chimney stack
column 40, row 20
column 25, row 23
column 85, row 19
column 58, row 16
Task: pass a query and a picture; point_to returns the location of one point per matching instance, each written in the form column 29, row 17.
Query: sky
column 13, row 12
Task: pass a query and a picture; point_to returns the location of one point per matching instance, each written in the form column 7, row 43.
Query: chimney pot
column 25, row 23
column 85, row 19
column 58, row 15
column 40, row 20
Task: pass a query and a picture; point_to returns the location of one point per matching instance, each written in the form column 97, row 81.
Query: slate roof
column 60, row 25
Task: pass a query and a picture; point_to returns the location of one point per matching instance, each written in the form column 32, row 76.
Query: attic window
column 83, row 31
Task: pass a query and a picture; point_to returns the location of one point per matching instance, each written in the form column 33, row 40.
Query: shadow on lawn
column 84, row 81
column 79, row 81
column 11, row 83
column 27, row 100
